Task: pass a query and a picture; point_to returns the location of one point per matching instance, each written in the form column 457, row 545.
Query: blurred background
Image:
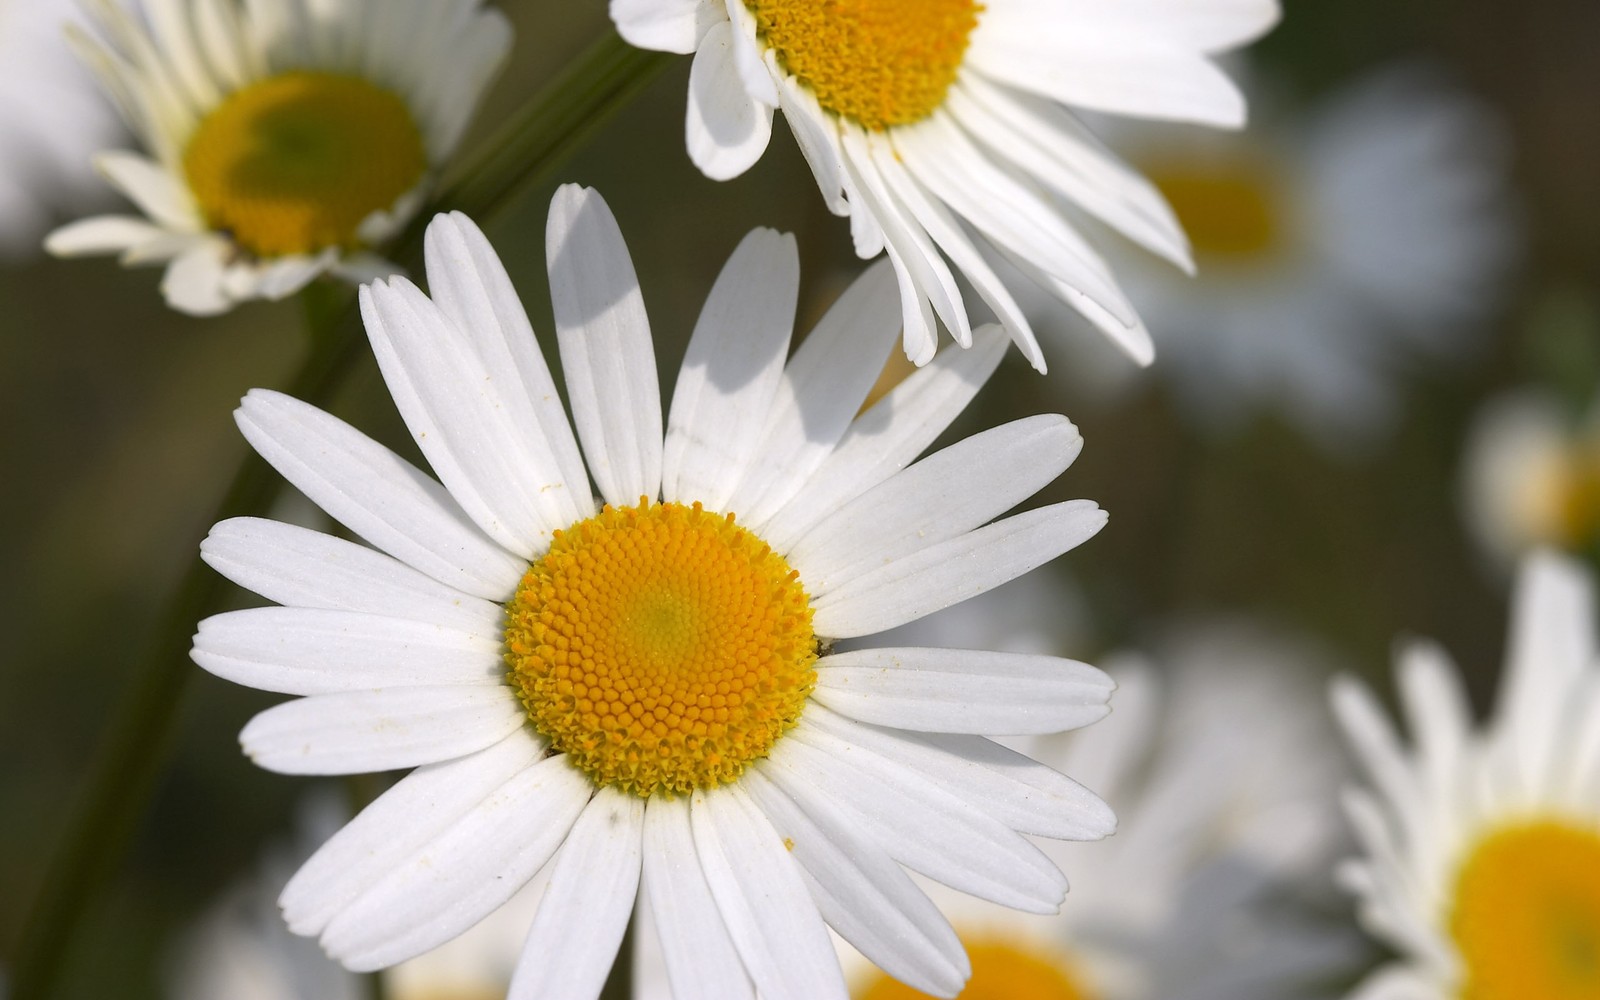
column 1357, row 416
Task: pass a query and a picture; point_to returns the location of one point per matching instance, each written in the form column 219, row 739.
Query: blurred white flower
column 1531, row 476
column 1337, row 251
column 281, row 141
column 52, row 119
column 944, row 130
column 1480, row 858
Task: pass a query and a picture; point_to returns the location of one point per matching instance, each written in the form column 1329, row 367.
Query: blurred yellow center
column 878, row 63
column 1577, row 498
column 1228, row 210
column 294, row 163
column 1526, row 917
column 664, row 648
column 1000, row 971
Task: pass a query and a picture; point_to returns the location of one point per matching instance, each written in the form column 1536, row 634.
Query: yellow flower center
column 294, row 163
column 878, row 63
column 1228, row 209
column 1001, row 970
column 1577, row 503
column 1526, row 917
column 663, row 648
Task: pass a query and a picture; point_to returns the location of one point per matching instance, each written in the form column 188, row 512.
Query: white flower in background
column 1481, row 846
column 640, row 698
column 1338, row 251
column 1221, row 774
column 942, row 129
column 1532, row 477
column 52, row 119
column 281, row 140
column 241, row 949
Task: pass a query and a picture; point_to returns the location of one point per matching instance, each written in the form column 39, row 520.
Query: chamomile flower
column 1338, row 249
column 1481, row 847
column 1222, row 825
column 1532, row 477
column 635, row 692
column 942, row 129
column 51, row 121
column 281, row 141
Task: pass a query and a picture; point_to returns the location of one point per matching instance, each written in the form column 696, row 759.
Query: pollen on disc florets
column 662, row 647
column 1526, row 913
column 879, row 63
column 294, row 163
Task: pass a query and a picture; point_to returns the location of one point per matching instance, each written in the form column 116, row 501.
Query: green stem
column 539, row 137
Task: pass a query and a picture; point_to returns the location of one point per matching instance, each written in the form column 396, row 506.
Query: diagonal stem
column 548, row 128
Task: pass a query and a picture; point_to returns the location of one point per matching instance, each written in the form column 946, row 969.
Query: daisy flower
column 1197, row 896
column 1340, row 248
column 1481, row 846
column 281, row 141
column 635, row 690
column 1532, row 477
column 943, row 129
column 51, row 120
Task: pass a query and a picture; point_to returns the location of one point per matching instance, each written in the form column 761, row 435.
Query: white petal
column 356, row 732
column 100, row 235
column 665, row 25
column 952, row 571
column 299, row 567
column 456, row 409
column 586, row 906
column 398, row 824
column 316, row 651
column 464, row 873
column 153, row 188
column 1552, row 642
column 1437, row 708
column 376, row 493
column 822, row 389
column 726, row 128
column 606, row 351
column 962, row 690
column 864, row 895
column 756, row 883
column 921, row 825
column 193, row 281
column 731, row 370
column 699, row 955
column 944, row 495
column 888, row 436
column 747, row 53
column 470, row 285
column 1376, row 747
column 816, row 134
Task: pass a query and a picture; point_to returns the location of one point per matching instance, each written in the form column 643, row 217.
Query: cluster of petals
column 396, row 649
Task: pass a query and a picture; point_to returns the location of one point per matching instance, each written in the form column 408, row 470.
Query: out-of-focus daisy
column 1481, row 861
column 281, row 140
column 1222, row 823
column 1336, row 250
column 241, row 949
column 942, row 129
column 641, row 695
column 1532, row 477
column 51, row 120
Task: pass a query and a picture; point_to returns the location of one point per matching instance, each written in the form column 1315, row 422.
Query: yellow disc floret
column 1228, row 210
column 1526, row 914
column 292, row 164
column 1001, row 970
column 662, row 647
column 878, row 63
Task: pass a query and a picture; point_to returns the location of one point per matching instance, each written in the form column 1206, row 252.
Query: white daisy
column 51, row 120
column 1222, row 824
column 1338, row 249
column 930, row 121
column 648, row 687
column 1532, row 476
column 1481, row 846
column 282, row 140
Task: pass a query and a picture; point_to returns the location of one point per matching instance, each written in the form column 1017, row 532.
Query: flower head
column 281, row 141
column 1481, row 847
column 938, row 127
column 633, row 687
